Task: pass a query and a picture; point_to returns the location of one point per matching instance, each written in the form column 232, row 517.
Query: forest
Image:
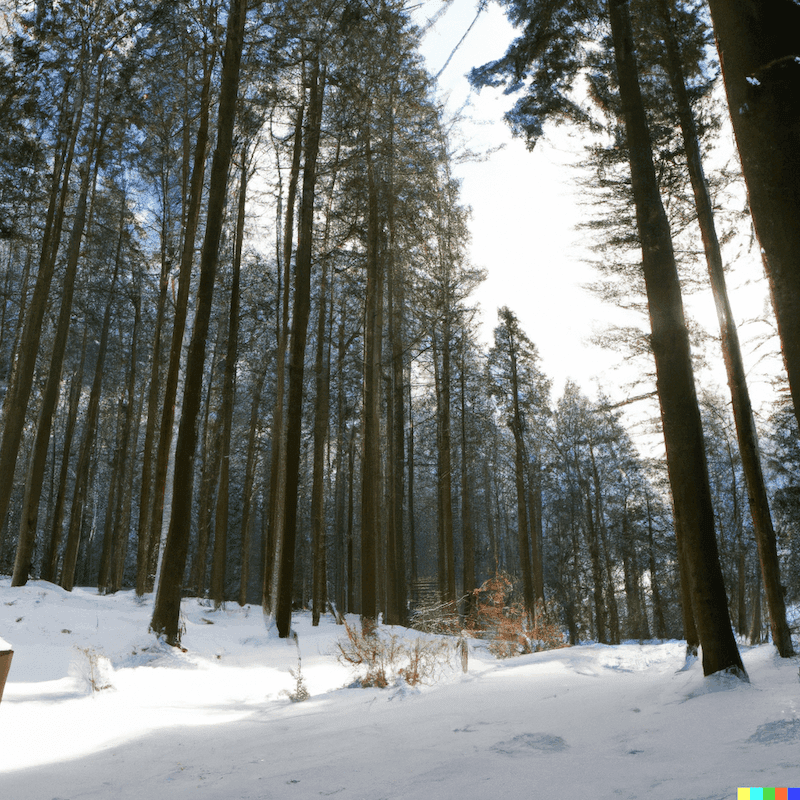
column 239, row 350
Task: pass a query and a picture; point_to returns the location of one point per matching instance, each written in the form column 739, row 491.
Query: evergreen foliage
column 257, row 376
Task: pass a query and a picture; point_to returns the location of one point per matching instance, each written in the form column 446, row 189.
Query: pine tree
column 759, row 51
column 166, row 613
column 550, row 57
column 522, row 392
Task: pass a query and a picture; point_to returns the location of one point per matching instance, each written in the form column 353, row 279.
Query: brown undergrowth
column 379, row 660
column 507, row 626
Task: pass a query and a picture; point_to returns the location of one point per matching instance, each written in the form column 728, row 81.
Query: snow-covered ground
column 216, row 721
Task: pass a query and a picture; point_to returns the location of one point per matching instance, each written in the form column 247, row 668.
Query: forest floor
column 96, row 707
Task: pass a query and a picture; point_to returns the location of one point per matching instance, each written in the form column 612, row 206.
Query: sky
column 526, row 206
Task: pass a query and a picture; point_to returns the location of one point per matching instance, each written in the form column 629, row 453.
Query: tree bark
column 467, row 530
column 15, row 402
column 340, row 487
column 412, row 523
column 370, row 483
column 144, row 545
column 153, row 534
column 536, row 524
column 731, row 350
column 249, row 483
column 297, row 348
column 597, row 568
column 211, row 458
column 446, row 457
column 680, row 414
column 611, row 598
column 165, row 621
column 228, row 399
column 33, row 487
column 397, row 589
column 321, row 421
column 122, row 517
column 50, row 558
column 523, row 529
column 759, row 50
column 89, row 432
column 655, row 590
column 273, row 544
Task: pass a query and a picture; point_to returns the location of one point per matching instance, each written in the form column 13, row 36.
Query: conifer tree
column 522, row 393
column 553, row 60
column 760, row 57
column 166, row 613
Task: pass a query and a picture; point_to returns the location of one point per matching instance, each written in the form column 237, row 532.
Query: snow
column 216, row 721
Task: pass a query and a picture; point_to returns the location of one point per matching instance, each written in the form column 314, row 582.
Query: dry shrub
column 425, row 659
column 300, row 692
column 366, row 650
column 505, row 623
column 95, row 671
column 546, row 634
column 437, row 617
column 380, row 659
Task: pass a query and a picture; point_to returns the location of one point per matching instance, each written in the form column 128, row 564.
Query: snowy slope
column 215, row 722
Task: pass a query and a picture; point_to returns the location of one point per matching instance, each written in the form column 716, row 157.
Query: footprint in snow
column 780, row 731
column 525, row 742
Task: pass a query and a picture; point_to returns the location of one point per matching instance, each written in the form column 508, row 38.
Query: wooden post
column 5, row 664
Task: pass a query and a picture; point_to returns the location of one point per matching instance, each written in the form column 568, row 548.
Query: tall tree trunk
column 467, row 530
column 741, row 583
column 536, row 523
column 340, row 487
column 90, row 431
column 446, row 461
column 351, row 481
column 644, row 623
column 130, row 428
column 107, row 545
column 755, row 626
column 631, row 575
column 611, row 598
column 50, row 558
column 33, row 488
column 154, row 531
column 490, row 517
column 15, row 402
column 412, row 523
column 210, row 459
column 321, row 421
column 683, row 433
column 523, row 529
column 690, row 632
column 731, row 350
column 249, row 483
column 370, row 483
column 396, row 610
column 297, row 349
column 655, row 586
column 122, row 517
column 144, row 545
column 597, row 569
column 228, row 399
column 273, row 543
column 322, row 394
column 166, row 613
column 144, row 555
column 759, row 51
